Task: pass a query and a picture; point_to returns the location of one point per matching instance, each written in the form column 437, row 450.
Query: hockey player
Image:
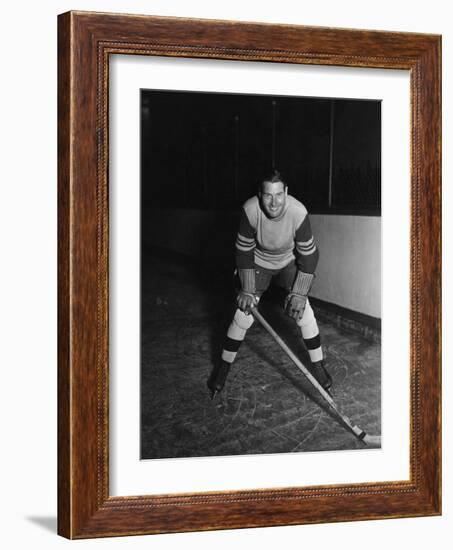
column 274, row 241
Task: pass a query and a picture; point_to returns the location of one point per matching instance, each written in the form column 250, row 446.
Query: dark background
column 210, row 150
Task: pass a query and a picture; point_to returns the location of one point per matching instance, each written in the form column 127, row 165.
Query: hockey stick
column 373, row 440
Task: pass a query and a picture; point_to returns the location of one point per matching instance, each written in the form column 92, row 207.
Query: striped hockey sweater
column 273, row 243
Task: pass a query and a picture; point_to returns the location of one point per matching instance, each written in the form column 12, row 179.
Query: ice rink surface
column 267, row 406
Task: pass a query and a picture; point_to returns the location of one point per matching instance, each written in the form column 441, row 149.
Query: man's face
column 273, row 198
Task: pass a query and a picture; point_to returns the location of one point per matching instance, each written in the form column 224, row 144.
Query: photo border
column 85, row 42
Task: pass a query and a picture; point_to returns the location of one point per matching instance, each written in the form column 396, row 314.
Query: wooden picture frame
column 85, row 41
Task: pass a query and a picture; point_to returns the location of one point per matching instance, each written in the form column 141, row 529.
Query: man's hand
column 295, row 305
column 245, row 301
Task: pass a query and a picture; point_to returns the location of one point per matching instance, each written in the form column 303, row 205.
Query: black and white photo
column 268, row 203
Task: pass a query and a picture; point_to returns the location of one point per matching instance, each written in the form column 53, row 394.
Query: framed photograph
column 249, row 275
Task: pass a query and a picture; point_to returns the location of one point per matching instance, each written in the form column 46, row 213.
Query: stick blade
column 373, row 441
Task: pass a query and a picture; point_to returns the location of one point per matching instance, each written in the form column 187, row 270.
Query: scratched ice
column 266, row 406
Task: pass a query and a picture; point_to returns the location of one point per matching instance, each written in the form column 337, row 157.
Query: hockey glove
column 246, row 298
column 297, row 299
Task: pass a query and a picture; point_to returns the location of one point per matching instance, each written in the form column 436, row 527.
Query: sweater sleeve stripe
column 307, row 252
column 243, row 248
column 245, row 240
column 305, row 244
column 243, row 243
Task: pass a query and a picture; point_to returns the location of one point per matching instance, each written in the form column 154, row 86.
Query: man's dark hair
column 274, row 176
